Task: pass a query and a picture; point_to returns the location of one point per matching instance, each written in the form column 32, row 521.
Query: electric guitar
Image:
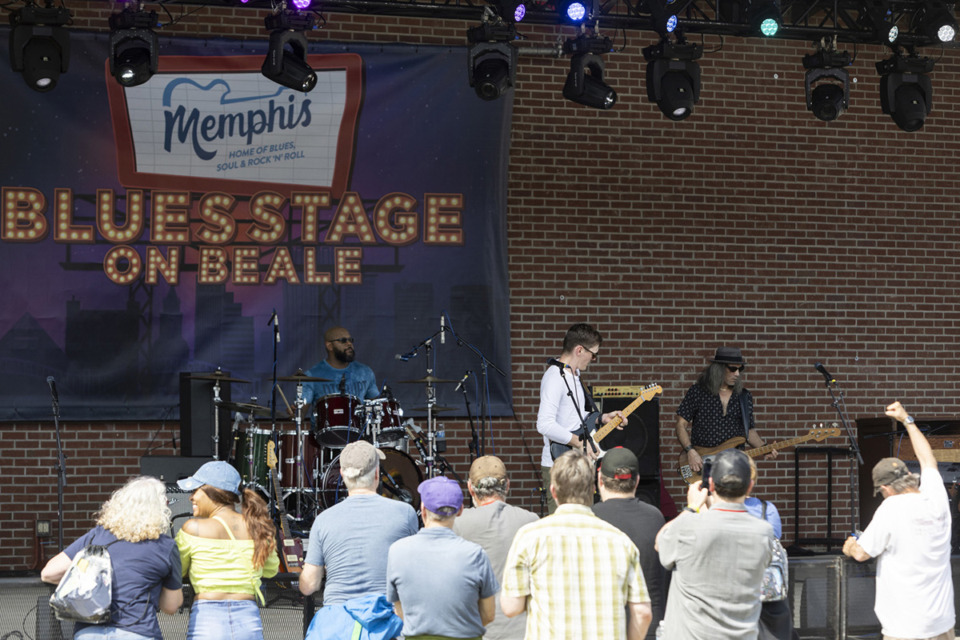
column 705, row 452
column 291, row 556
column 590, row 422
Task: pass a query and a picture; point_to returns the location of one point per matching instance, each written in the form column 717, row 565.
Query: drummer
column 344, row 373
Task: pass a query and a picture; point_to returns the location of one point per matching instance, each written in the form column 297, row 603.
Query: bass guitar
column 589, row 426
column 291, row 549
column 706, row 452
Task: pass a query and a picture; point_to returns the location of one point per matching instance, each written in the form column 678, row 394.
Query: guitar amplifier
column 642, row 433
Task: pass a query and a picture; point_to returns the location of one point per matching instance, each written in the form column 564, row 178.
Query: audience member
column 575, row 575
column 617, row 481
column 910, row 537
column 146, row 564
column 492, row 523
column 441, row 585
column 718, row 558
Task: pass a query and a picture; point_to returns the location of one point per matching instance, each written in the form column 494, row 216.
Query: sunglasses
column 593, row 354
column 343, row 340
column 732, row 369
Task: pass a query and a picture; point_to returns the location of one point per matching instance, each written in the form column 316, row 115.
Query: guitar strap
column 744, row 408
column 589, row 405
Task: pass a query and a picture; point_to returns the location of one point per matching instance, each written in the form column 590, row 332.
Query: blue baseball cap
column 441, row 495
column 216, row 474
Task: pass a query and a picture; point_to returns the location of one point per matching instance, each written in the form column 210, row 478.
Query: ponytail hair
column 255, row 517
column 259, row 525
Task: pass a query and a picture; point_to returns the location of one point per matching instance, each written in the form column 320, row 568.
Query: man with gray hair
column 492, row 523
column 910, row 537
column 441, row 585
column 349, row 541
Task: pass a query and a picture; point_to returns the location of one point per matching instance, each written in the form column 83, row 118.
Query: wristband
column 687, row 449
column 691, row 509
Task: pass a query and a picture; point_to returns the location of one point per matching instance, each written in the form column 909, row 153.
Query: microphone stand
column 485, row 410
column 536, row 474
column 474, row 441
column 61, row 470
column 841, row 406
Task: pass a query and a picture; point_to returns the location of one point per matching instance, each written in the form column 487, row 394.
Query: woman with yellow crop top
column 225, row 553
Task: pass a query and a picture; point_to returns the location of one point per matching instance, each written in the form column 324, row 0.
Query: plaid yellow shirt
column 579, row 573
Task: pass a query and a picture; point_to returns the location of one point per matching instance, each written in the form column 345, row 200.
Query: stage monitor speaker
column 169, row 469
column 196, row 417
column 641, row 435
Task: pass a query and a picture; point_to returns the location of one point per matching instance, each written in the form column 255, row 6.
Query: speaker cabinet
column 641, row 435
column 196, row 417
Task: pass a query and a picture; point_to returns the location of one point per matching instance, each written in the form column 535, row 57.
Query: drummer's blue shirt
column 360, row 382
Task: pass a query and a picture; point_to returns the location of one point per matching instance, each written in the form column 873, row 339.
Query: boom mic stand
column 841, row 406
column 61, row 461
column 485, row 416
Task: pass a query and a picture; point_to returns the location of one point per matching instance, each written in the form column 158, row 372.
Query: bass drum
column 399, row 478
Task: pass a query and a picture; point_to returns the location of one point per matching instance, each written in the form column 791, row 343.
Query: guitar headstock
column 650, row 391
column 271, row 454
column 821, row 433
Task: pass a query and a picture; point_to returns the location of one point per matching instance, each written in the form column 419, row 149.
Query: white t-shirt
column 910, row 537
column 558, row 415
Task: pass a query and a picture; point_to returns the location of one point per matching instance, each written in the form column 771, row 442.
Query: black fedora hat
column 728, row 355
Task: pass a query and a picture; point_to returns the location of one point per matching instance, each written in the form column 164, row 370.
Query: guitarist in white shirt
column 711, row 412
column 564, row 403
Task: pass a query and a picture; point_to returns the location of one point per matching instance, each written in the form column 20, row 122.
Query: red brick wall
column 751, row 224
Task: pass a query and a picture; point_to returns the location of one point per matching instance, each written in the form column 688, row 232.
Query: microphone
column 343, row 385
column 53, row 389
column 553, row 362
column 826, row 374
column 462, row 380
column 443, row 326
column 275, row 321
column 406, row 356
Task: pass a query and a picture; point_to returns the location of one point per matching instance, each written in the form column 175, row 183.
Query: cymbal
column 426, row 380
column 246, row 407
column 217, row 375
column 436, row 407
column 300, row 376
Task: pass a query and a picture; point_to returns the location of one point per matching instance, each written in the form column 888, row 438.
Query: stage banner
column 212, row 219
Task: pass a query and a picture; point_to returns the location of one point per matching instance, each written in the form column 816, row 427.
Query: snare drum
column 339, row 420
column 384, row 419
column 251, row 460
column 399, row 478
column 308, row 467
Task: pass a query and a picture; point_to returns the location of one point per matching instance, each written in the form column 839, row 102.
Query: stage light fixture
column 764, row 17
column 574, row 12
column 827, row 82
column 585, row 83
column 673, row 77
column 906, row 92
column 937, row 23
column 40, row 45
column 491, row 61
column 134, row 47
column 286, row 60
column 509, row 11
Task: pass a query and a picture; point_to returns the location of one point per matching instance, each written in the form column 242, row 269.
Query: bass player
column 564, row 402
column 717, row 408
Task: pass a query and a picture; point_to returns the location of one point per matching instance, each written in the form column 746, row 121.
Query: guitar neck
column 783, row 444
column 280, row 508
column 603, row 431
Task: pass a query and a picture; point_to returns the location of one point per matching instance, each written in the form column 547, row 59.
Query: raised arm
column 920, row 445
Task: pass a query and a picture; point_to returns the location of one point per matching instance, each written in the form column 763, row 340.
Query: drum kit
column 310, row 438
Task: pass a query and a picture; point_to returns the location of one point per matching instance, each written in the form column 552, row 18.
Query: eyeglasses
column 593, row 354
column 733, row 369
column 343, row 340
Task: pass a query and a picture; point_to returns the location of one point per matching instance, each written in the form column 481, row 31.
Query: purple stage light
column 301, row 4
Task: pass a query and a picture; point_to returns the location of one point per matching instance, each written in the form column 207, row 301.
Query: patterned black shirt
column 704, row 411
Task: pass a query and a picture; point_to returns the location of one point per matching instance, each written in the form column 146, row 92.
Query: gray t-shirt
column 493, row 527
column 351, row 540
column 439, row 578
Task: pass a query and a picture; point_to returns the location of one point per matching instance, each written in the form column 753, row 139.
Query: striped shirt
column 579, row 573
